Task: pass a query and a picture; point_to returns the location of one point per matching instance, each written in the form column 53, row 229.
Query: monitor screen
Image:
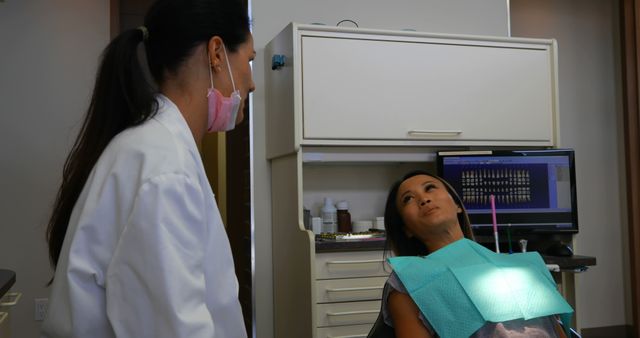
column 534, row 190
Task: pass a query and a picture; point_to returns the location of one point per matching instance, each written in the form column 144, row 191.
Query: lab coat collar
column 168, row 112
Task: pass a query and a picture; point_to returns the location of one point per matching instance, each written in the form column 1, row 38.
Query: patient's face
column 426, row 206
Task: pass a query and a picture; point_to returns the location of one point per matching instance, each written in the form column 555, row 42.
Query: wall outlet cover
column 41, row 306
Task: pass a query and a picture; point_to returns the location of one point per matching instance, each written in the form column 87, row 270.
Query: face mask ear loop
column 210, row 73
column 228, row 67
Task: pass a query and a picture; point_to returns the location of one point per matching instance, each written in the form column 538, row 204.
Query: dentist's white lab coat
column 146, row 253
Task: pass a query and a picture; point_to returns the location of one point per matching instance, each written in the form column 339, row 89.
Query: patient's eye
column 406, row 199
column 429, row 186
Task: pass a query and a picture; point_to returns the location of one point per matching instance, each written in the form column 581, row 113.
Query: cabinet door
column 458, row 91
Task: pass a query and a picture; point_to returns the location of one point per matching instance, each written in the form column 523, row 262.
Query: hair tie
column 145, row 32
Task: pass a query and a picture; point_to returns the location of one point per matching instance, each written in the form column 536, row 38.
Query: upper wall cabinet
column 348, row 86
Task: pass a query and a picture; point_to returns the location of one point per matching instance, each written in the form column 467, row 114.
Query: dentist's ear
column 215, row 53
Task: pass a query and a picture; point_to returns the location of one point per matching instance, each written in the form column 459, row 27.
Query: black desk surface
column 571, row 261
column 7, row 279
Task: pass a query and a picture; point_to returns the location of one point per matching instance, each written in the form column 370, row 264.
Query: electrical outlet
column 41, row 308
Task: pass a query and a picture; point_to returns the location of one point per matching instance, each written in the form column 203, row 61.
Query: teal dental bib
column 462, row 286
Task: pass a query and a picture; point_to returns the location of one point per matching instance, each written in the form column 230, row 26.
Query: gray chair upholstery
column 380, row 329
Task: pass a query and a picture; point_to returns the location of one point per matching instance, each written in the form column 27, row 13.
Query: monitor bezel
column 523, row 229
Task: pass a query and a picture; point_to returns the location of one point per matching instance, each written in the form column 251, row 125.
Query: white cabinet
column 348, row 289
column 345, row 86
column 318, row 293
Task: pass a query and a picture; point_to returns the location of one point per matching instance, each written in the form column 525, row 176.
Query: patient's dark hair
column 397, row 239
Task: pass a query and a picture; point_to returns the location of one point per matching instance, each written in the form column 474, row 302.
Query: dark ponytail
column 122, row 96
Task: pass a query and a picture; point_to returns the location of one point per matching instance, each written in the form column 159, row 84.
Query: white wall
column 590, row 113
column 48, row 57
column 488, row 17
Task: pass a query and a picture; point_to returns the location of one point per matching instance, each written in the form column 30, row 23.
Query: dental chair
column 381, row 330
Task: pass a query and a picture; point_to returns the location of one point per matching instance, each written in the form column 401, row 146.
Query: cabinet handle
column 357, row 262
column 425, row 133
column 355, row 289
column 349, row 336
column 350, row 313
column 15, row 296
column 3, row 316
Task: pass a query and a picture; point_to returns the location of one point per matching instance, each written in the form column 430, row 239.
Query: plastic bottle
column 344, row 217
column 329, row 216
column 306, row 218
column 379, row 223
column 316, row 225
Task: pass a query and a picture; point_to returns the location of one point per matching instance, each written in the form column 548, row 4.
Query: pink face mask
column 223, row 111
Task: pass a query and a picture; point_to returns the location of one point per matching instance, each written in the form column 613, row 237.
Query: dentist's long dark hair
column 122, row 96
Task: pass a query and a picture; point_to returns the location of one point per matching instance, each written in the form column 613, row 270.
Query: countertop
column 7, row 279
column 361, row 245
column 572, row 262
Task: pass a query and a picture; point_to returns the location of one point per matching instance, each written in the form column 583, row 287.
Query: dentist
column 135, row 236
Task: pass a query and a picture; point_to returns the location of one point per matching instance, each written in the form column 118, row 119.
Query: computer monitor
column 534, row 190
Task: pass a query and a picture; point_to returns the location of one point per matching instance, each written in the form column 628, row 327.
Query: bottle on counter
column 344, row 217
column 316, row 225
column 306, row 218
column 329, row 216
column 379, row 223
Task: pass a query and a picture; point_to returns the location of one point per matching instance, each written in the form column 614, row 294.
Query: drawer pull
column 349, row 336
column 3, row 316
column 356, row 262
column 424, row 133
column 351, row 313
column 10, row 299
column 367, row 288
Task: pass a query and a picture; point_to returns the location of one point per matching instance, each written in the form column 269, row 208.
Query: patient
column 424, row 214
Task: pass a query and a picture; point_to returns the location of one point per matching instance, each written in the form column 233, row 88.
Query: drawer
column 349, row 313
column 348, row 331
column 351, row 264
column 349, row 289
column 5, row 330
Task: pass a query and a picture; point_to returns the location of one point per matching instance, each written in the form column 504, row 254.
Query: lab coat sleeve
column 155, row 282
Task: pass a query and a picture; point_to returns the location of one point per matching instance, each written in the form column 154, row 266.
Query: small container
column 362, row 226
column 379, row 223
column 344, row 217
column 329, row 216
column 523, row 245
column 316, row 225
column 306, row 218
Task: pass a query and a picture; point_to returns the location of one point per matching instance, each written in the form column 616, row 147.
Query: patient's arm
column 405, row 315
